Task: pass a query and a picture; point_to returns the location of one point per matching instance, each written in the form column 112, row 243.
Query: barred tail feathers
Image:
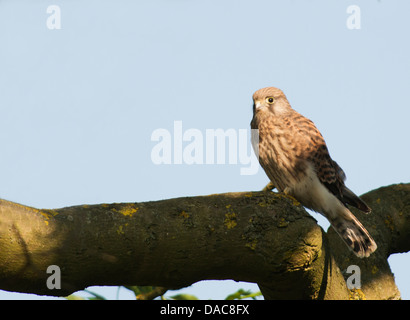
column 354, row 235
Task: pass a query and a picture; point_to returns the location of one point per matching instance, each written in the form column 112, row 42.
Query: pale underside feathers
column 295, row 157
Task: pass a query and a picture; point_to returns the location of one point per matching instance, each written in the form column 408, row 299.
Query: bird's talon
column 268, row 187
column 287, row 191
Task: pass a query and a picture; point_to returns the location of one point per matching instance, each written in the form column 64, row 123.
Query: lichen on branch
column 261, row 237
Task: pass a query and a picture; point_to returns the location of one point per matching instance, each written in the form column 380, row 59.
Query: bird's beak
column 258, row 105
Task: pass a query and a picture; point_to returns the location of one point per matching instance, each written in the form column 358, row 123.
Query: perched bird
column 295, row 157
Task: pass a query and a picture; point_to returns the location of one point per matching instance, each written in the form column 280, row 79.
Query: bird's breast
column 279, row 154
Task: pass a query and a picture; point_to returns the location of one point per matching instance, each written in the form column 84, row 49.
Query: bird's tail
column 350, row 198
column 354, row 235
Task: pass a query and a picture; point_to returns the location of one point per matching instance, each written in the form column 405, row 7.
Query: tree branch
column 261, row 237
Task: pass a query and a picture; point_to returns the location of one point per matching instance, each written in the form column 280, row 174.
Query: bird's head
column 270, row 99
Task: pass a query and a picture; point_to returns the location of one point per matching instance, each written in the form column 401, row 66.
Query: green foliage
column 95, row 296
column 142, row 292
column 184, row 296
column 138, row 290
column 242, row 294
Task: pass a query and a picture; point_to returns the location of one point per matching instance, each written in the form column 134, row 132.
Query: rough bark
column 261, row 237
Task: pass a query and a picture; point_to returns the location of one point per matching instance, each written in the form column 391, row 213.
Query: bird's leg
column 287, row 191
column 269, row 187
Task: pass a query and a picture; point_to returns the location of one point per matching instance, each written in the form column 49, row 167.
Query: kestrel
column 295, row 157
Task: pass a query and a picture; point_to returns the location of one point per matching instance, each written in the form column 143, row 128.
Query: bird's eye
column 270, row 100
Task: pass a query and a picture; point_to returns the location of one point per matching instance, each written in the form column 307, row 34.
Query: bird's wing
column 333, row 177
column 328, row 171
column 312, row 147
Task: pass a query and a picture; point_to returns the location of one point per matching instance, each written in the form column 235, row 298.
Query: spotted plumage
column 295, row 157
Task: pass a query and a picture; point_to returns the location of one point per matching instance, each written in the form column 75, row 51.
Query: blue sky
column 78, row 105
